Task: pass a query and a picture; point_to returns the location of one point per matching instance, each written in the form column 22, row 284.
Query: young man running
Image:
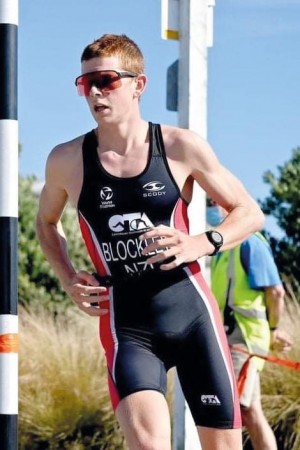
column 131, row 182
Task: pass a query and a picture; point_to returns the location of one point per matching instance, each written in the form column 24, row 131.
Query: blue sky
column 253, row 77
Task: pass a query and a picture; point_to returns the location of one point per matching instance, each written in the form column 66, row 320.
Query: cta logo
column 129, row 223
column 154, row 189
column 106, row 193
column 210, row 400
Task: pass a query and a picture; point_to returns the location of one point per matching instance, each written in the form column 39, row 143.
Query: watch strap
column 216, row 243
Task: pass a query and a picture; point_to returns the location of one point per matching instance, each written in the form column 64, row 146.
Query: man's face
column 114, row 102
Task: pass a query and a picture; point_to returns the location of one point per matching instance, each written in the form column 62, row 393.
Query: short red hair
column 121, row 46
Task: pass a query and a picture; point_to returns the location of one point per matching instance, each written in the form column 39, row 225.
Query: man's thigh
column 207, row 378
column 134, row 367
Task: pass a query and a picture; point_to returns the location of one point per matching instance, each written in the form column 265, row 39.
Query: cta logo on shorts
column 210, row 400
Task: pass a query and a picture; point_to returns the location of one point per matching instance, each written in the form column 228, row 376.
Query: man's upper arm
column 51, row 205
column 53, row 197
column 214, row 178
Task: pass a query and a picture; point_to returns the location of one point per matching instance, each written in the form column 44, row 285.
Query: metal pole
column 192, row 114
column 8, row 225
column 192, row 86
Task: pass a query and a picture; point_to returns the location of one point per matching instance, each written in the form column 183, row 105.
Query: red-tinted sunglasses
column 105, row 80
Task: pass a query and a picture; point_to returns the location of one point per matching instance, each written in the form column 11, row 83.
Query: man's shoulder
column 66, row 149
column 71, row 145
column 64, row 168
column 181, row 137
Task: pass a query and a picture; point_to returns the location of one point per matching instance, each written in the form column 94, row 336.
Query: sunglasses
column 104, row 80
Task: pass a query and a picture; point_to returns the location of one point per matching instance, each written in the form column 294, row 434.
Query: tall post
column 8, row 225
column 195, row 34
column 191, row 23
column 192, row 85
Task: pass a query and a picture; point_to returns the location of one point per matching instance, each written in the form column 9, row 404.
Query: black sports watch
column 216, row 239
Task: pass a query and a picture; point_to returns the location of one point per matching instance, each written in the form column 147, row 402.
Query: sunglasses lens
column 105, row 81
column 81, row 86
column 109, row 81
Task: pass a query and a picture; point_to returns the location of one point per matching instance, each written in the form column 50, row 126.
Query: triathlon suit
column 157, row 319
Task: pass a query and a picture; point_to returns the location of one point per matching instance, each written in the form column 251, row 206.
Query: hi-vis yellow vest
column 230, row 284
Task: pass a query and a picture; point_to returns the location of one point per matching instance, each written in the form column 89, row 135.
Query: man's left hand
column 166, row 242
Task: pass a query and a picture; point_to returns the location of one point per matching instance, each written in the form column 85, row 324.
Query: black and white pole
column 8, row 225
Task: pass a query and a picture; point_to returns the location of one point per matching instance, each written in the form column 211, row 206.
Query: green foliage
column 38, row 285
column 284, row 204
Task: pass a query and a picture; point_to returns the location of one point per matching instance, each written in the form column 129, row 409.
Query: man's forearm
column 54, row 246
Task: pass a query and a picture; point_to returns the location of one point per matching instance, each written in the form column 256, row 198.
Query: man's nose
column 94, row 90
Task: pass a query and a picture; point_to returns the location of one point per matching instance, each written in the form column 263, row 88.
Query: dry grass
column 63, row 386
column 281, row 386
column 64, row 401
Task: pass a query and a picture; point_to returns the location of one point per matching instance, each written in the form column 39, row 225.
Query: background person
column 247, row 286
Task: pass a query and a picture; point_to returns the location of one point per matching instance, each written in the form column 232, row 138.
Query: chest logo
column 154, row 186
column 106, row 193
column 129, row 223
column 154, row 189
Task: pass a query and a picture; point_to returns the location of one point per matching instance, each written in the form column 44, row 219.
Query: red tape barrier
column 295, row 365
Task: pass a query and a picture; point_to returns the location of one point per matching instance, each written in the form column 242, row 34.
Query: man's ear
column 141, row 82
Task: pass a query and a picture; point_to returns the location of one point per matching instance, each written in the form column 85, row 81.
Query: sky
column 253, row 92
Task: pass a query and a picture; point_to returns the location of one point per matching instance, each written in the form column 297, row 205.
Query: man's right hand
column 85, row 291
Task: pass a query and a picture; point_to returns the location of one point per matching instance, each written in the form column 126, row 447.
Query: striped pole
column 8, row 225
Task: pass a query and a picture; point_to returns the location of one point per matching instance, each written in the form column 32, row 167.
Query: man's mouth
column 99, row 108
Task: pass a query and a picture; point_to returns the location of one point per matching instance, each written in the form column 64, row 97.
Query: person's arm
column 275, row 304
column 80, row 286
column 280, row 340
column 50, row 232
column 259, row 264
column 194, row 159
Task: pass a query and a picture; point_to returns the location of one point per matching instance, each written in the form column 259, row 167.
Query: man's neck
column 123, row 136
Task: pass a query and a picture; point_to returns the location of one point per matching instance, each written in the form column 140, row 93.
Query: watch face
column 216, row 237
